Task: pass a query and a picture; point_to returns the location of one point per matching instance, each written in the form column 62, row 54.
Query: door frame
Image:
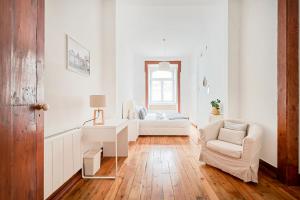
column 288, row 92
column 40, row 96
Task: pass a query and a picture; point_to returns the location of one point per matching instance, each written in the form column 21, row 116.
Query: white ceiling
column 169, row 2
column 141, row 28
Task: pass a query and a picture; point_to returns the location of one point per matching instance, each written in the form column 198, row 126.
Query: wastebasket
column 91, row 162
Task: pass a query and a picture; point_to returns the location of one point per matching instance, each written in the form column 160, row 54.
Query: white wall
column 67, row 92
column 109, row 75
column 258, row 70
column 234, row 25
column 212, row 61
column 140, row 28
column 124, row 59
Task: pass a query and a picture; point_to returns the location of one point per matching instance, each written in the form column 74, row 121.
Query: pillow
column 142, row 114
column 132, row 115
column 137, row 109
column 144, row 111
column 235, row 126
column 159, row 116
column 231, row 136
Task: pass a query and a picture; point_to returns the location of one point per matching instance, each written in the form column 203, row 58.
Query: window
column 162, row 86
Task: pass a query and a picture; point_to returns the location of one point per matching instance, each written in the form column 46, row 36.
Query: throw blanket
column 165, row 116
column 175, row 116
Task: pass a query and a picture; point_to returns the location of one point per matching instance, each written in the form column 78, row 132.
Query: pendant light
column 164, row 65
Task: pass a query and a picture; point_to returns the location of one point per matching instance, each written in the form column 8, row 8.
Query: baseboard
column 271, row 170
column 62, row 190
column 268, row 169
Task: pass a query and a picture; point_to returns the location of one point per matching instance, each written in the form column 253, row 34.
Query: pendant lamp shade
column 164, row 65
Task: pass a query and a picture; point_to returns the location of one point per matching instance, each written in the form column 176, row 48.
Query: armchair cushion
column 232, row 136
column 211, row 131
column 225, row 148
column 235, row 126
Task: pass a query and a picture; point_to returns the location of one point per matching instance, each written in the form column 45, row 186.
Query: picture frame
column 78, row 57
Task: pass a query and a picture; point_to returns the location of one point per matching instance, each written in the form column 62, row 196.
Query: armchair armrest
column 252, row 143
column 211, row 131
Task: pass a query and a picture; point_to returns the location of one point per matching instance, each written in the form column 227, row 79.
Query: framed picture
column 78, row 57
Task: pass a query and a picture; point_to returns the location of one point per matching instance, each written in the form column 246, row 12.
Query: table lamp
column 98, row 102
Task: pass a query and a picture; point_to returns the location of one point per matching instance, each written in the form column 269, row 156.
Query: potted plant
column 215, row 107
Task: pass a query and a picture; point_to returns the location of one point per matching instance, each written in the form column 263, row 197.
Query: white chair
column 241, row 161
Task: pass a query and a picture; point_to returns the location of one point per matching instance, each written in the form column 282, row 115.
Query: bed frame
column 156, row 127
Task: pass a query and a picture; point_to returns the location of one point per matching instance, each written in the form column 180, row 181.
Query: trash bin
column 91, row 162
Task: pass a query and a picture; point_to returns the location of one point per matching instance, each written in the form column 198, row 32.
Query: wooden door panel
column 23, row 160
column 5, row 109
column 23, row 76
column 5, row 145
column 40, row 37
column 21, row 128
column 5, row 52
column 39, row 115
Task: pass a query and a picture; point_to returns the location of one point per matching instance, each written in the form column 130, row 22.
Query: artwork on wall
column 78, row 57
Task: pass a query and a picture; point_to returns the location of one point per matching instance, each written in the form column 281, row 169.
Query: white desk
column 114, row 135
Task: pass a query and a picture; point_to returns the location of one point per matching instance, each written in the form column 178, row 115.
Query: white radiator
column 62, row 159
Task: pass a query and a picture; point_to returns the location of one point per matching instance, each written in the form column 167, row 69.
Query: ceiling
column 141, row 28
column 169, row 2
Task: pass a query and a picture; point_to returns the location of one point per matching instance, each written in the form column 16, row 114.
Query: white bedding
column 160, row 124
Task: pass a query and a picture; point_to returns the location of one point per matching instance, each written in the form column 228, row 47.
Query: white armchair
column 241, row 161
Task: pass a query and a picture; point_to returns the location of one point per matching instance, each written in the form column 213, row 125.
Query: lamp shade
column 164, row 65
column 97, row 101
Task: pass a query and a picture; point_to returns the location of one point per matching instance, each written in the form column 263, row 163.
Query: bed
column 158, row 123
column 154, row 124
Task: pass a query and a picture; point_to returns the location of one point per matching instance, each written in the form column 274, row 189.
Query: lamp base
column 98, row 117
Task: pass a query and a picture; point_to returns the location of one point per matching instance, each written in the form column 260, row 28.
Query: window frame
column 162, row 81
column 176, row 81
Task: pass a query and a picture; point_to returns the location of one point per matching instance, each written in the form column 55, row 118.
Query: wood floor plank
column 146, row 189
column 128, row 175
column 136, row 188
column 178, row 187
column 188, row 180
column 157, row 187
column 177, row 171
column 169, row 168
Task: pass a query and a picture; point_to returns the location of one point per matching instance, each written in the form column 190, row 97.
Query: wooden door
column 21, row 125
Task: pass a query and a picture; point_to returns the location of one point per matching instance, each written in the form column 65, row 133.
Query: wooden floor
column 168, row 168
